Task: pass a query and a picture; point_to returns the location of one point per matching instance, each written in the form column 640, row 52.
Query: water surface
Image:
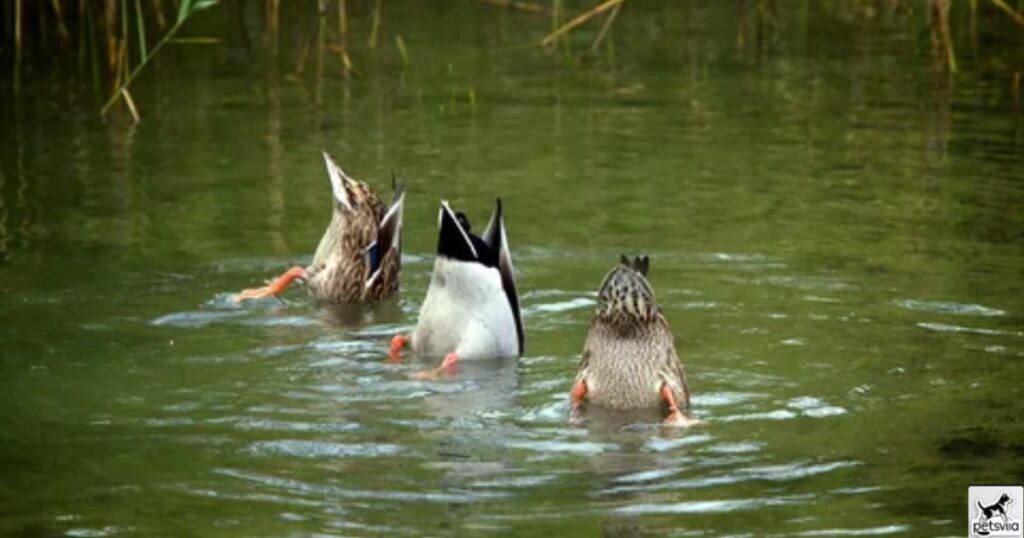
column 835, row 236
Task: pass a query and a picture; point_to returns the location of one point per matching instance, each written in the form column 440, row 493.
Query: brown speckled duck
column 359, row 257
column 629, row 358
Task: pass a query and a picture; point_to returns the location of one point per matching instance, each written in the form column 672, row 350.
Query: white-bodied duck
column 472, row 309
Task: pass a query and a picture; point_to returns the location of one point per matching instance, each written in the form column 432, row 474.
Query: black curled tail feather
column 640, row 264
column 398, row 185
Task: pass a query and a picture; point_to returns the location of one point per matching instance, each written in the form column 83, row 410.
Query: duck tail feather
column 496, row 237
column 453, row 238
column 341, row 184
column 389, row 235
column 640, row 264
column 398, row 184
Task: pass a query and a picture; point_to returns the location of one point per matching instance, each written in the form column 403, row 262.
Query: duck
column 471, row 310
column 359, row 257
column 629, row 359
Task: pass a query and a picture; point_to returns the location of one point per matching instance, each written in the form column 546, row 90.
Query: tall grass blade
column 402, row 50
column 61, row 27
column 199, row 5
column 17, row 26
column 140, row 21
column 124, row 32
column 372, row 41
column 530, row 7
column 183, row 10
column 131, row 105
column 604, row 28
column 342, row 20
column 1009, row 11
column 17, row 45
column 580, row 19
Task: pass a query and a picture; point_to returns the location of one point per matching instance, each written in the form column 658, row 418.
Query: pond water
column 835, row 236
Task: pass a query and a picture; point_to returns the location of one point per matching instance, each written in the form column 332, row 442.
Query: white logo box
column 994, row 510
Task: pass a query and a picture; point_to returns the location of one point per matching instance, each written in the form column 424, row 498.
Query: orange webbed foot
column 576, row 397
column 253, row 293
column 273, row 289
column 448, row 365
column 676, row 418
column 578, row 393
column 395, row 349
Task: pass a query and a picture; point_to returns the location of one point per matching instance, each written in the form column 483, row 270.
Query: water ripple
column 260, row 497
column 257, row 424
column 515, row 482
column 734, row 448
column 769, row 473
column 93, row 533
column 561, row 306
column 282, row 321
column 664, row 445
column 710, row 507
column 196, row 318
column 720, row 398
column 322, row 449
column 947, row 328
column 647, row 476
column 871, row 531
column 563, row 447
column 942, row 307
column 778, row 414
column 813, row 407
column 306, row 488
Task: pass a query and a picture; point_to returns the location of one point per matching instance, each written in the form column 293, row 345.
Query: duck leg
column 578, row 393
column 447, row 365
column 395, row 349
column 676, row 417
column 576, row 397
column 274, row 288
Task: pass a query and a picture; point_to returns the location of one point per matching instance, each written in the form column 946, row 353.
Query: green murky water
column 835, row 236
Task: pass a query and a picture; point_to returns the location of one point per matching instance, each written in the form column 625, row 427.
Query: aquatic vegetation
column 121, row 30
column 581, row 19
column 186, row 9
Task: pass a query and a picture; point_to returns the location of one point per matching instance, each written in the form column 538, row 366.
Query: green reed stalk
column 62, row 29
column 141, row 24
column 372, row 42
column 580, row 19
column 342, row 21
column 605, row 27
column 17, row 27
column 124, row 33
column 402, row 50
column 17, row 46
column 1009, row 11
column 90, row 28
column 943, row 14
column 186, row 9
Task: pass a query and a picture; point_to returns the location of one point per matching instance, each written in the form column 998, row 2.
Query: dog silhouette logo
column 995, row 511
